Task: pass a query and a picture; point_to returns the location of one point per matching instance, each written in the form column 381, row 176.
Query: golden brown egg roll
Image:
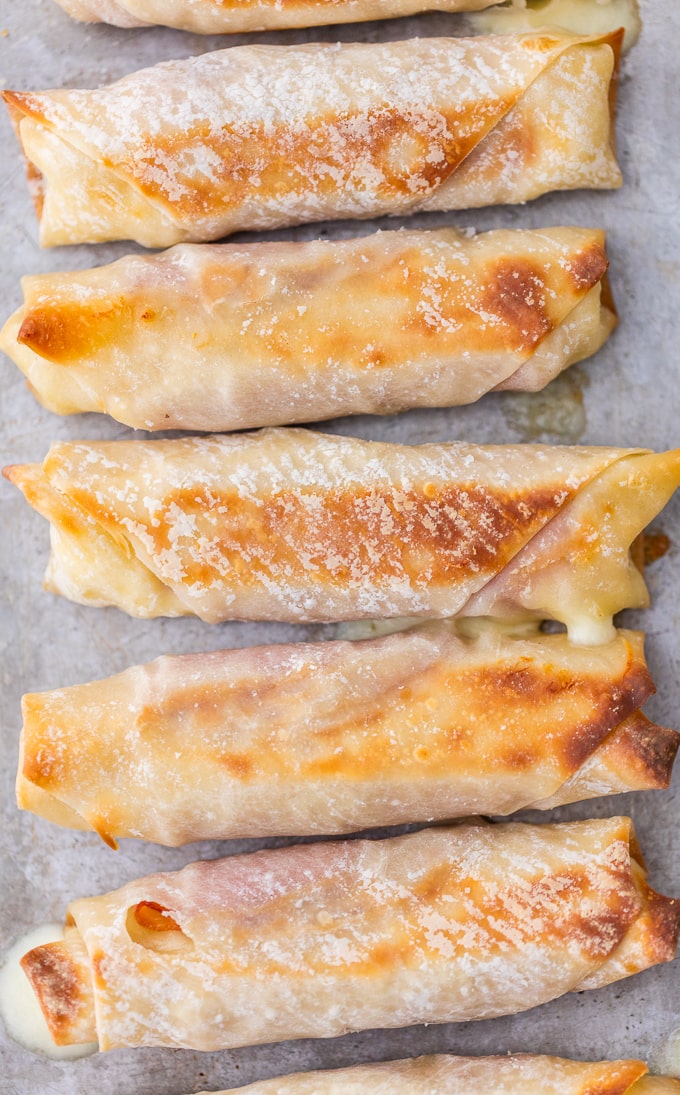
column 316, row 940
column 210, row 337
column 240, row 16
column 308, row 738
column 516, row 1074
column 300, row 526
column 231, row 16
column 264, row 136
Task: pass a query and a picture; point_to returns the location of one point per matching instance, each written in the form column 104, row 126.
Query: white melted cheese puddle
column 19, row 1007
column 580, row 16
column 664, row 1057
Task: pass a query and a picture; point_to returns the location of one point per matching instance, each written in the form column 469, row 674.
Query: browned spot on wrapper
column 98, row 973
column 650, row 751
column 54, row 979
column 41, row 763
column 525, row 909
column 623, row 699
column 403, row 154
column 665, row 925
column 237, row 764
column 589, row 266
column 516, row 293
column 619, row 1084
column 65, row 331
column 340, row 534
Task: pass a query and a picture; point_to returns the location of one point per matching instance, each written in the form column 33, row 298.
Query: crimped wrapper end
column 19, row 475
column 60, row 978
column 12, row 473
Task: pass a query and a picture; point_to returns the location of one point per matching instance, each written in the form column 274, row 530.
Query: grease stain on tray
column 558, row 412
column 656, row 545
column 664, row 1056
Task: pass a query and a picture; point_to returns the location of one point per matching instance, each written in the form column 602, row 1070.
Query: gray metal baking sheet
column 627, row 395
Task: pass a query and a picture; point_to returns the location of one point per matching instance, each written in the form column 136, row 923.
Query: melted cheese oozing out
column 664, row 1057
column 580, row 16
column 355, row 630
column 19, row 1007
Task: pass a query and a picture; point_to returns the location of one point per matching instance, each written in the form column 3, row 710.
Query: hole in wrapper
column 152, row 926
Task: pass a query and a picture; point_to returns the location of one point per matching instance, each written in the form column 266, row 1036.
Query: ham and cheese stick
column 299, row 526
column 314, row 941
column 239, row 16
column 332, row 737
column 519, row 1074
column 264, row 136
column 232, row 337
column 232, row 16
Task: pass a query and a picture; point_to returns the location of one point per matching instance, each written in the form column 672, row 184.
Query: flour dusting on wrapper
column 326, row 738
column 292, row 525
column 516, row 1074
column 258, row 137
column 311, row 941
column 229, row 337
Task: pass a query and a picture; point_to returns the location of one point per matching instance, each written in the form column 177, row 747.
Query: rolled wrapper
column 332, row 737
column 314, row 941
column 232, row 337
column 265, row 136
column 240, row 16
column 231, row 16
column 299, row 526
column 519, row 1074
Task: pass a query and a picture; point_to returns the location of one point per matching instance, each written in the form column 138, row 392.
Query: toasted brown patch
column 98, row 973
column 68, row 330
column 406, row 153
column 589, row 266
column 611, row 706
column 531, row 909
column 618, row 1078
column 54, row 979
column 341, row 533
column 652, row 750
column 42, row 767
column 664, row 933
column 237, row 764
column 516, row 293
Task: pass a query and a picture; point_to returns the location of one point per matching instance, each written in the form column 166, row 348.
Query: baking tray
column 624, row 396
